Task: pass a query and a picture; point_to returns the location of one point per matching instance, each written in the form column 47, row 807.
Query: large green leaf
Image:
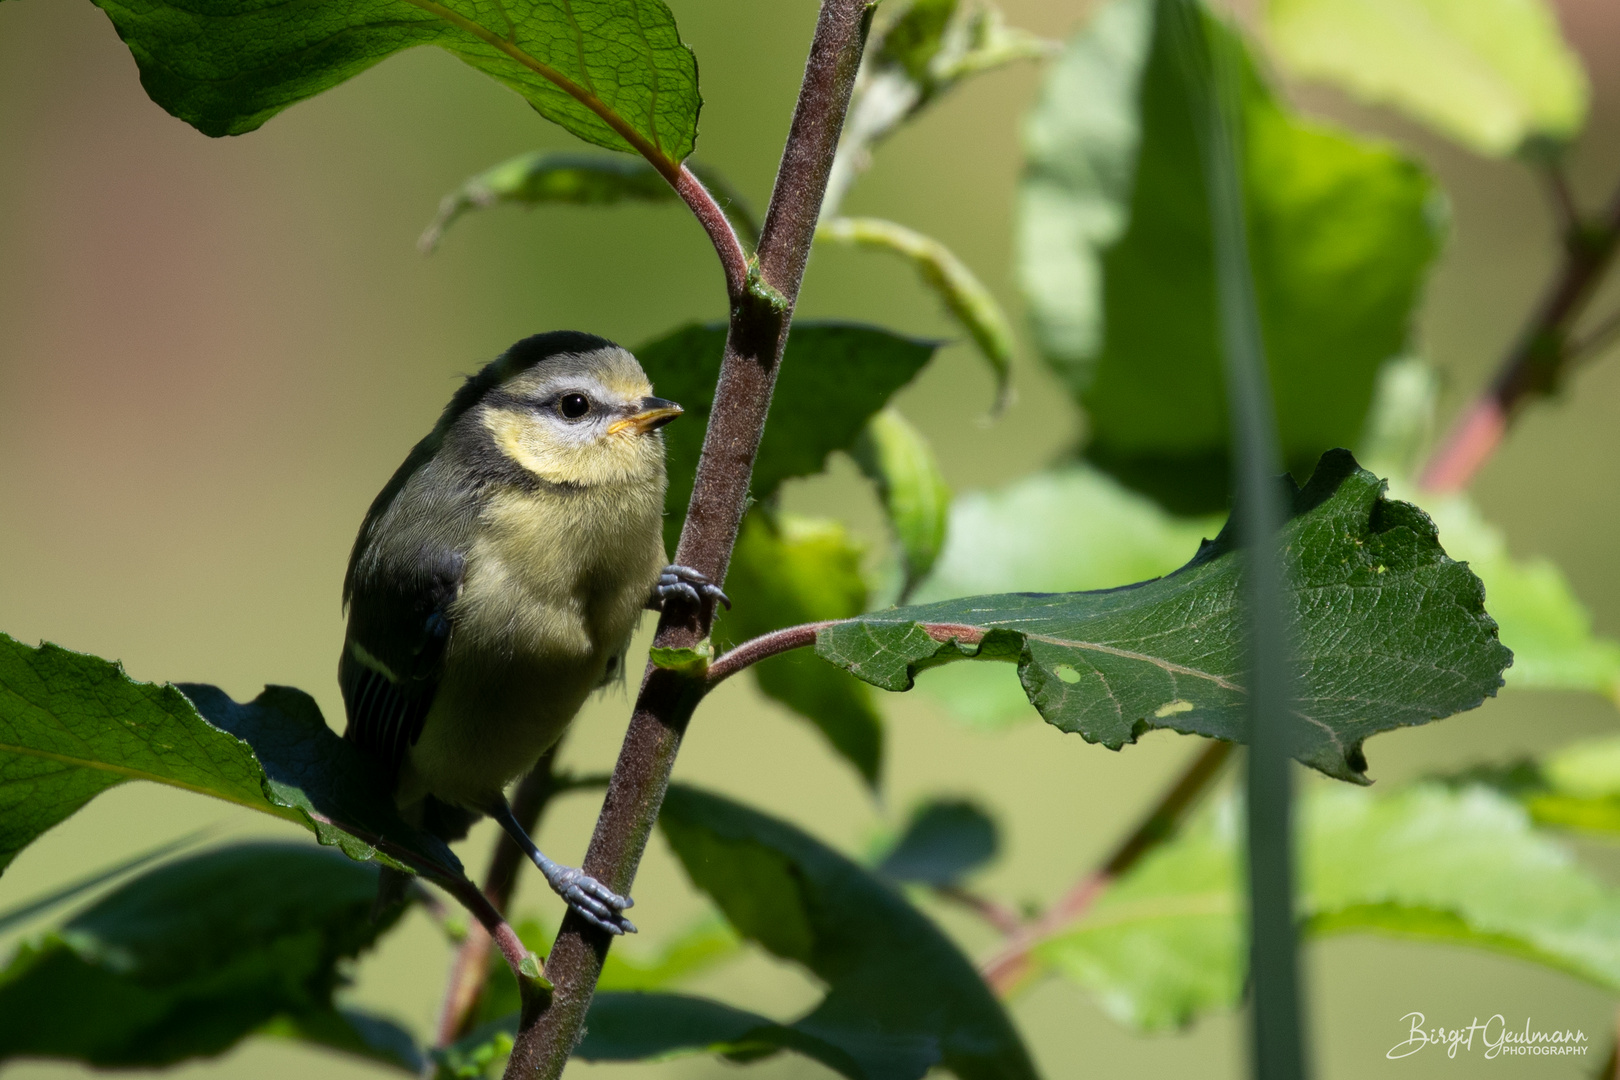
column 1452, row 866
column 1492, row 74
column 834, row 376
column 186, row 960
column 1116, row 260
column 72, row 726
column 787, row 570
column 613, row 72
column 900, row 997
column 1389, row 632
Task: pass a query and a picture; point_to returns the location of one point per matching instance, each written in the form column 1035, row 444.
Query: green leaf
column 787, row 570
column 896, row 457
column 900, row 997
column 1389, row 631
column 694, row 661
column 944, row 842
column 1456, row 866
column 1575, row 788
column 186, row 960
column 1115, row 260
column 833, row 377
column 964, row 295
column 1541, row 620
column 1492, row 74
column 350, row 1031
column 73, row 725
column 21, row 913
column 613, row 72
column 699, row 947
column 1063, row 530
column 544, row 177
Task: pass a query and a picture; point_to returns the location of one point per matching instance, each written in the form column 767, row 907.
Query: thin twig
column 762, row 648
column 1011, row 965
column 470, row 970
column 760, row 316
column 1534, row 366
column 733, row 260
column 994, row 912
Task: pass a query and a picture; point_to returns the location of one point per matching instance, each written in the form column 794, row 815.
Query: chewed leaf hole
column 1173, row 708
column 1066, row 673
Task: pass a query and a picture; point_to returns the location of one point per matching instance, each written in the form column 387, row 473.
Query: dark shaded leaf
column 1389, row 631
column 73, row 725
column 56, row 897
column 613, row 72
column 834, row 376
column 787, row 570
column 1116, row 260
column 945, row 841
column 186, row 960
column 900, row 997
column 350, row 1031
column 581, row 180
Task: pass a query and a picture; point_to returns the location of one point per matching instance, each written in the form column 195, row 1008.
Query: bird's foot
column 600, row 905
column 684, row 585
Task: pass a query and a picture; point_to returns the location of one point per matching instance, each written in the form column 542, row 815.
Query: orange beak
column 654, row 414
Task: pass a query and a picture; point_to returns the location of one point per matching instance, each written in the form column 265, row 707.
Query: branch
column 1011, row 965
column 733, row 260
column 1535, row 365
column 759, row 324
column 470, row 970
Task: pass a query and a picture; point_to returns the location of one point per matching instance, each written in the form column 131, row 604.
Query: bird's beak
column 655, row 413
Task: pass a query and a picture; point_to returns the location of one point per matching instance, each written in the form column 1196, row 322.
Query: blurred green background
column 213, row 352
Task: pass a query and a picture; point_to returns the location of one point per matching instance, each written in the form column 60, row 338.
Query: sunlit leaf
column 1115, row 259
column 73, row 725
column 1492, row 74
column 188, row 959
column 1454, row 866
column 1389, row 631
column 613, row 72
column 896, row 457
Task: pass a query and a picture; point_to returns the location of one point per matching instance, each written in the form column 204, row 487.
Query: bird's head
column 570, row 408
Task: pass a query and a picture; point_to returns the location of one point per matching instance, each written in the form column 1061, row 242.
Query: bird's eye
column 574, row 406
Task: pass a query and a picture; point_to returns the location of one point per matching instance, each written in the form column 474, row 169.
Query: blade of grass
column 1214, row 70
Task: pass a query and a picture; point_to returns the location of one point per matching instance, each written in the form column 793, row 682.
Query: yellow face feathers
column 589, row 421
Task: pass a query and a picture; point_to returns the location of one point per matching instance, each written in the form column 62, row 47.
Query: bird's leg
column 685, row 585
column 598, row 903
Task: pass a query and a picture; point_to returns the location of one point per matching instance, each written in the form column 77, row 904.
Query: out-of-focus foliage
column 1457, row 866
column 788, row 570
column 1115, row 254
column 896, row 457
column 834, row 377
column 629, row 83
column 1495, row 75
column 944, row 842
column 188, row 959
column 1388, row 632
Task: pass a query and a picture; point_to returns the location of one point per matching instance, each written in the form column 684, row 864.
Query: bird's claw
column 686, row 586
column 600, row 905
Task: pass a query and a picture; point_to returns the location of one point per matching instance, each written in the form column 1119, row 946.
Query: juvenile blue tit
column 498, row 577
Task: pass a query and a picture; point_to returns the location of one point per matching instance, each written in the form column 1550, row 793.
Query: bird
column 496, row 581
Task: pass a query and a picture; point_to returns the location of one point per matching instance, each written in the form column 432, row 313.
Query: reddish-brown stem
column 760, row 315
column 1011, row 964
column 994, row 912
column 1535, row 365
column 733, row 260
column 469, row 970
column 761, row 648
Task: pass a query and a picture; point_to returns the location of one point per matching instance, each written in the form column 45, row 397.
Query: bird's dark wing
column 393, row 656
